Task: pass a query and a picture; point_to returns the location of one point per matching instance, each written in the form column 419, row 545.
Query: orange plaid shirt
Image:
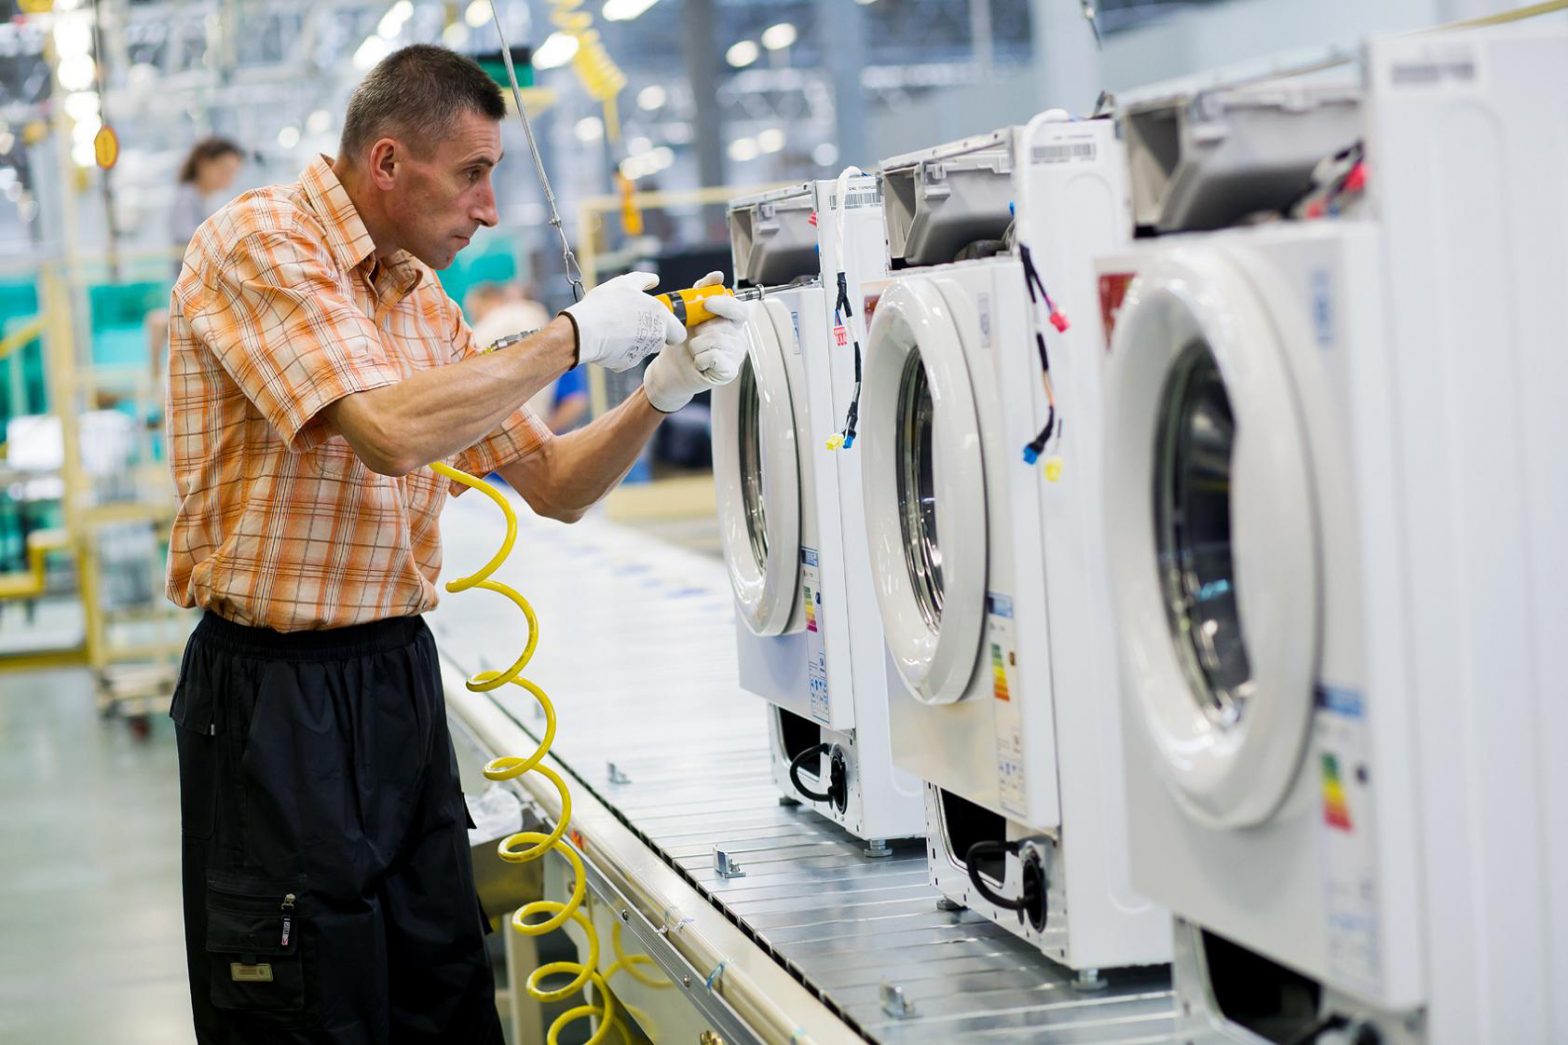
column 280, row 310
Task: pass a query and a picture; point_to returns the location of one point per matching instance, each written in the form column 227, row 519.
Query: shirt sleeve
column 288, row 333
column 521, row 434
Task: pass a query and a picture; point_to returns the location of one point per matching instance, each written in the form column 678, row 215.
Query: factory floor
column 89, row 871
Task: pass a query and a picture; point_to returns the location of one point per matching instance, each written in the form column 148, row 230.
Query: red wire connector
column 1059, row 321
column 1356, row 180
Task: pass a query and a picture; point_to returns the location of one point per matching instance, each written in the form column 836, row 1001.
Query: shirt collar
column 347, row 238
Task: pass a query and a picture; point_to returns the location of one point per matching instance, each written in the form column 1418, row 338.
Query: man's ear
column 385, row 155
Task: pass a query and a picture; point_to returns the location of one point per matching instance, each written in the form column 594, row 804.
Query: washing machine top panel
column 762, row 480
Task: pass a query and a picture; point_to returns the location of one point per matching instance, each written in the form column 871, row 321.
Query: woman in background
column 205, row 176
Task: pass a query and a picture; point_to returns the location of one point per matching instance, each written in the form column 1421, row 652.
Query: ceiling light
column 778, row 37
column 825, row 155
column 678, row 133
column 86, row 130
column 84, row 155
column 742, row 54
column 392, row 22
column 589, row 129
column 456, row 35
column 557, row 50
column 81, row 105
column 73, row 35
column 288, row 137
column 77, row 72
column 770, row 140
column 625, row 10
column 370, row 52
column 320, row 122
column 478, row 13
column 652, row 97
column 743, row 149
column 637, row 145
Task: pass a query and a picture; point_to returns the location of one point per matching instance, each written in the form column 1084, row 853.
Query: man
column 315, row 369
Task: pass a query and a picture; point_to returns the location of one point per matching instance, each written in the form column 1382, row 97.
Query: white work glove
column 619, row 324
column 712, row 357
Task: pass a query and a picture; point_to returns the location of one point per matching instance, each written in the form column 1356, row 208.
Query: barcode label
column 1436, row 68
column 1431, row 74
column 871, row 197
column 1064, row 152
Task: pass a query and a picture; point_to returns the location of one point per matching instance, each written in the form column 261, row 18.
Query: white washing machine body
column 807, row 632
column 953, row 395
column 1268, row 758
column 1329, row 491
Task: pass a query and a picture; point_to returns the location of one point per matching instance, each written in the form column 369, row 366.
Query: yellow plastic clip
column 835, row 441
column 690, row 305
column 1053, row 468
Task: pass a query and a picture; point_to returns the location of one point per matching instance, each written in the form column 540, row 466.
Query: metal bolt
column 686, row 982
column 626, row 915
column 709, row 1037
column 894, row 1003
column 725, row 865
column 616, row 776
column 877, row 848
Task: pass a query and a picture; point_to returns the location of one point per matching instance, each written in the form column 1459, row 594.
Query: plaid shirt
column 280, row 310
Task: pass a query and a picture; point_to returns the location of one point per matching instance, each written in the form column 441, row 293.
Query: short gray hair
column 415, row 94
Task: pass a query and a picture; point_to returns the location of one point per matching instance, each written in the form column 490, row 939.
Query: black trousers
column 329, row 894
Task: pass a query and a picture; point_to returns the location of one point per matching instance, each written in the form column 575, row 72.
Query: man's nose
column 484, row 211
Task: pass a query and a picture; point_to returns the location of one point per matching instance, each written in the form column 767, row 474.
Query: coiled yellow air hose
column 543, row 916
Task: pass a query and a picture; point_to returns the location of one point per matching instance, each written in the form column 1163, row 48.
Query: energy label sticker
column 816, row 647
column 1347, row 857
column 1002, row 653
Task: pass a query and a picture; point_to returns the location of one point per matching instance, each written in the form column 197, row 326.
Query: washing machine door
column 756, row 466
column 1212, row 534
column 923, row 478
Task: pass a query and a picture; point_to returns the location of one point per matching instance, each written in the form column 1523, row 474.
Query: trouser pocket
column 255, row 951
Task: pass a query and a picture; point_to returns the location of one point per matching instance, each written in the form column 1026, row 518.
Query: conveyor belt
column 637, row 651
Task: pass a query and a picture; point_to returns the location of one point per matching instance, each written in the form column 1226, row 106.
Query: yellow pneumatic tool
column 690, row 305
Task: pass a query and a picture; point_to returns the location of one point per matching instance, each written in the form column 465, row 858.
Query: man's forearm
column 581, row 467
column 435, row 413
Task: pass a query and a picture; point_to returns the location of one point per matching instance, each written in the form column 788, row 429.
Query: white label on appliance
column 1063, row 152
column 856, row 198
column 1001, row 649
column 984, row 303
column 1437, row 65
column 816, row 647
column 1347, row 856
column 1323, row 307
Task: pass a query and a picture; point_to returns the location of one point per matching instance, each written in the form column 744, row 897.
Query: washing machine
column 807, row 631
column 1335, row 614
column 992, row 240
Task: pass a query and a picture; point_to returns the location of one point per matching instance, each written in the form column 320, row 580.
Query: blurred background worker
column 206, row 176
column 498, row 310
column 316, row 369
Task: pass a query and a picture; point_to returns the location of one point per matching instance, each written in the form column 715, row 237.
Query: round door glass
column 1194, row 441
column 751, row 485
column 917, row 491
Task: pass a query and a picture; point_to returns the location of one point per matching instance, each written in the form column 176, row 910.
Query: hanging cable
column 797, row 765
column 574, row 275
column 1053, row 427
column 843, row 311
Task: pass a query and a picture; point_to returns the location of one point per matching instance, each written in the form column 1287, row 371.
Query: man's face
column 438, row 201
